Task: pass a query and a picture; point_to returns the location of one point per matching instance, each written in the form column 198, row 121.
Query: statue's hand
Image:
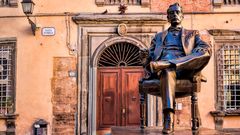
column 156, row 66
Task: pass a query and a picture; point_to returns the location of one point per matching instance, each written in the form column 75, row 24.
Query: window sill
column 225, row 113
column 219, row 115
column 9, row 116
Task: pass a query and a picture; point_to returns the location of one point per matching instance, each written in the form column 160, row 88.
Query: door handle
column 123, row 111
column 134, row 98
column 107, row 99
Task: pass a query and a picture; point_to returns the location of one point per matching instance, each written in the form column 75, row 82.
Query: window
column 226, row 5
column 7, row 76
column 10, row 3
column 120, row 54
column 117, row 2
column 228, row 62
column 4, row 2
column 143, row 3
column 231, row 2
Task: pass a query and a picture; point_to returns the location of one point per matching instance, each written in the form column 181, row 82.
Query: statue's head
column 175, row 14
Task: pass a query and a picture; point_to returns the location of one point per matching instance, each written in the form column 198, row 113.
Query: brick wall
column 64, row 96
column 188, row 5
column 183, row 116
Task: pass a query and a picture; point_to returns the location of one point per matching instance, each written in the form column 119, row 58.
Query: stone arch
column 112, row 41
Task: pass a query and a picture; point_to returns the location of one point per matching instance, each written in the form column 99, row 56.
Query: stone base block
column 158, row 131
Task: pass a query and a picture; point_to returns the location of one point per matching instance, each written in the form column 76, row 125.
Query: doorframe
column 92, row 98
column 139, row 32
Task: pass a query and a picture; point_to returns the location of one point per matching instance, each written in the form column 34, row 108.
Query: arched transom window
column 120, row 54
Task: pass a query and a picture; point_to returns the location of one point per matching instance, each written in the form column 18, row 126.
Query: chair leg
column 142, row 110
column 194, row 109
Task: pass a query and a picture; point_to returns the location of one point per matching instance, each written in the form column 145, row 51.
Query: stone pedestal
column 158, row 131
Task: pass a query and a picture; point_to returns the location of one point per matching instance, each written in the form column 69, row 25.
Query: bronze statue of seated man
column 176, row 53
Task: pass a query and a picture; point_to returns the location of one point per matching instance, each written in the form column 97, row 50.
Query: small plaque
column 179, row 106
column 72, row 73
column 48, row 31
column 122, row 29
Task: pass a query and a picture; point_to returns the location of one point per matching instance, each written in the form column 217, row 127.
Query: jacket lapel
column 188, row 39
column 159, row 45
column 183, row 39
column 164, row 34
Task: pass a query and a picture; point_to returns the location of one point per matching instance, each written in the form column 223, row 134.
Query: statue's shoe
column 168, row 125
column 167, row 131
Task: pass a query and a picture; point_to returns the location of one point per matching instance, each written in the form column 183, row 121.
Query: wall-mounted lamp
column 27, row 6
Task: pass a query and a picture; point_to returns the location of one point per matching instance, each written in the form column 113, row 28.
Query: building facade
column 77, row 72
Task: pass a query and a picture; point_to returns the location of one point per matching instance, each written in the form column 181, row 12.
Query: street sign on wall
column 48, row 31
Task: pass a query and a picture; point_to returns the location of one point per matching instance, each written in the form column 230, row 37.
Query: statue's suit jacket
column 197, row 51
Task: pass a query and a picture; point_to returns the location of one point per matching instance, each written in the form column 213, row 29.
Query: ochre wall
column 35, row 67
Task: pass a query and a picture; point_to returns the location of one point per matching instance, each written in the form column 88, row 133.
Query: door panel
column 107, row 97
column 118, row 97
column 130, row 87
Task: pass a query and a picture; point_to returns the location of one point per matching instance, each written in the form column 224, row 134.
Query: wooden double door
column 118, row 97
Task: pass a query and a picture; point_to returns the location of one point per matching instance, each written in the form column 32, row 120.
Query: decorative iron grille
column 117, row 2
column 228, row 60
column 120, row 54
column 231, row 2
column 4, row 2
column 7, row 76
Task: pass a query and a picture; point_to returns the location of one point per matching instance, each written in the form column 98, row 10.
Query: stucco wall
column 35, row 67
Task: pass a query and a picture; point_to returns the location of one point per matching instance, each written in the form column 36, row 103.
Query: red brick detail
column 183, row 117
column 64, row 96
column 188, row 5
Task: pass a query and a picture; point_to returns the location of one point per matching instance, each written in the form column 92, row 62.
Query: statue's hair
column 175, row 4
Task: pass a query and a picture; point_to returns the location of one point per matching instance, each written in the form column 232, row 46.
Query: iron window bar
column 7, row 68
column 231, row 2
column 4, row 2
column 228, row 65
column 120, row 54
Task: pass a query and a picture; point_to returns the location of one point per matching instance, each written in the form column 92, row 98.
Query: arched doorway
column 118, row 73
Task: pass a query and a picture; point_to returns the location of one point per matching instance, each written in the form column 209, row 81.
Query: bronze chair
column 184, row 88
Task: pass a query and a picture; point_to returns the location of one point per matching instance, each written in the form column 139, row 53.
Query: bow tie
column 174, row 29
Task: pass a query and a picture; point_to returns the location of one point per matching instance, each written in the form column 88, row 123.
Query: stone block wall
column 188, row 5
column 64, row 96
